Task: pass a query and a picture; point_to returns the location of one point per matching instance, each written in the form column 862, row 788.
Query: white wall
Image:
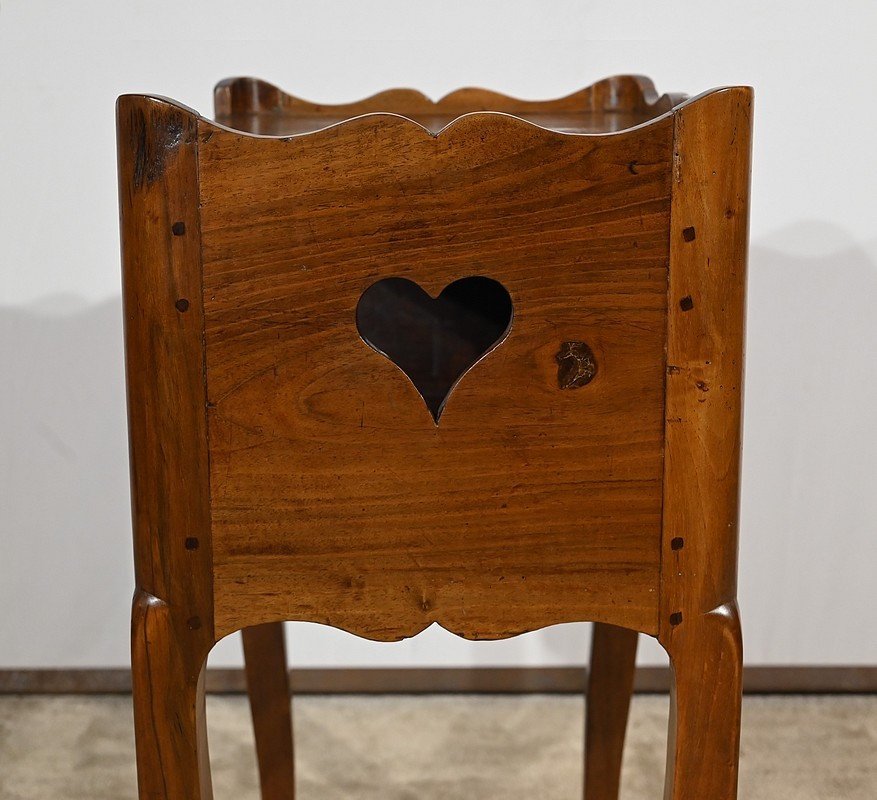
column 809, row 522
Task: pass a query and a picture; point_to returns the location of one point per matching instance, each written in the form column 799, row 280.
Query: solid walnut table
column 474, row 362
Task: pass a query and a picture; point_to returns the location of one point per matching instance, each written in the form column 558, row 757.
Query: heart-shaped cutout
column 434, row 341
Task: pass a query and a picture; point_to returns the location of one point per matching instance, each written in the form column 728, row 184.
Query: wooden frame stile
column 699, row 624
column 172, row 620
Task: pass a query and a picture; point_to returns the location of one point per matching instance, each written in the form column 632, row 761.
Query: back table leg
column 610, row 684
column 268, row 686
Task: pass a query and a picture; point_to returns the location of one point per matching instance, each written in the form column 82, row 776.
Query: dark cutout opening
column 434, row 341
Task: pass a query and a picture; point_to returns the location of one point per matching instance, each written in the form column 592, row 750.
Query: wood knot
column 576, row 365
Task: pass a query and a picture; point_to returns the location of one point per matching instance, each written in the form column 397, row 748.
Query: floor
column 407, row 748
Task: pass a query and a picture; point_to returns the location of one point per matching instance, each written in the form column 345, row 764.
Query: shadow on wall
column 67, row 577
column 809, row 521
column 809, row 506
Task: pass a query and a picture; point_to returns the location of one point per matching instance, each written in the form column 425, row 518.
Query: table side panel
column 335, row 498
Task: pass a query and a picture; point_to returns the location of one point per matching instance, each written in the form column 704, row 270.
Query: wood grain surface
column 700, row 625
column 172, row 619
column 164, row 329
column 335, row 497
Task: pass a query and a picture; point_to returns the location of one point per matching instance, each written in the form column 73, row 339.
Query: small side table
column 474, row 362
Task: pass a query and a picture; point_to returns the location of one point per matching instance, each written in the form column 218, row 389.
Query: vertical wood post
column 268, row 687
column 699, row 624
column 610, row 686
column 172, row 620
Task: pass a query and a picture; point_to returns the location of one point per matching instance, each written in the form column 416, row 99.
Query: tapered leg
column 610, row 685
column 706, row 655
column 169, row 716
column 268, row 685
